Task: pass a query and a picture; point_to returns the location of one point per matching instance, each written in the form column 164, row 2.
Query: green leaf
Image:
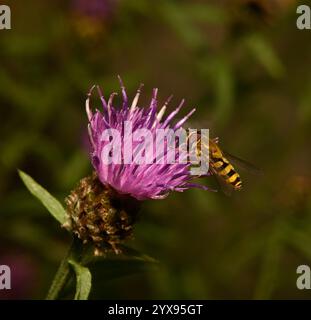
column 181, row 23
column 224, row 88
column 268, row 277
column 84, row 280
column 264, row 52
column 110, row 266
column 205, row 13
column 301, row 240
column 135, row 254
column 52, row 204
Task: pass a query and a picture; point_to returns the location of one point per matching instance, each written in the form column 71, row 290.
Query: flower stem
column 63, row 272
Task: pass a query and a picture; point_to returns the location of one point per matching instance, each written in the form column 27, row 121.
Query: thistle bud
column 100, row 216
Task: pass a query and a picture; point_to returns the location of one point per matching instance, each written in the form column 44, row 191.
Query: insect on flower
column 103, row 208
column 222, row 166
column 142, row 181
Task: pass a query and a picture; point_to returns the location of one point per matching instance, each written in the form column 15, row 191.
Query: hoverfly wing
column 243, row 164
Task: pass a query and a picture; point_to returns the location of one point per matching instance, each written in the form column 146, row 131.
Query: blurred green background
column 247, row 69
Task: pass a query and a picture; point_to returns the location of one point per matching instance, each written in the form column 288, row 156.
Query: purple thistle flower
column 141, row 181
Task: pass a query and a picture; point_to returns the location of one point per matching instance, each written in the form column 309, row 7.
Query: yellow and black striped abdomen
column 225, row 170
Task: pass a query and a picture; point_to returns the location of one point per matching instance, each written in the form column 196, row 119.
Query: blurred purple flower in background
column 97, row 9
column 24, row 274
column 90, row 17
column 141, row 181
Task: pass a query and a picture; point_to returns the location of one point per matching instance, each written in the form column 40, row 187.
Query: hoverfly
column 222, row 166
